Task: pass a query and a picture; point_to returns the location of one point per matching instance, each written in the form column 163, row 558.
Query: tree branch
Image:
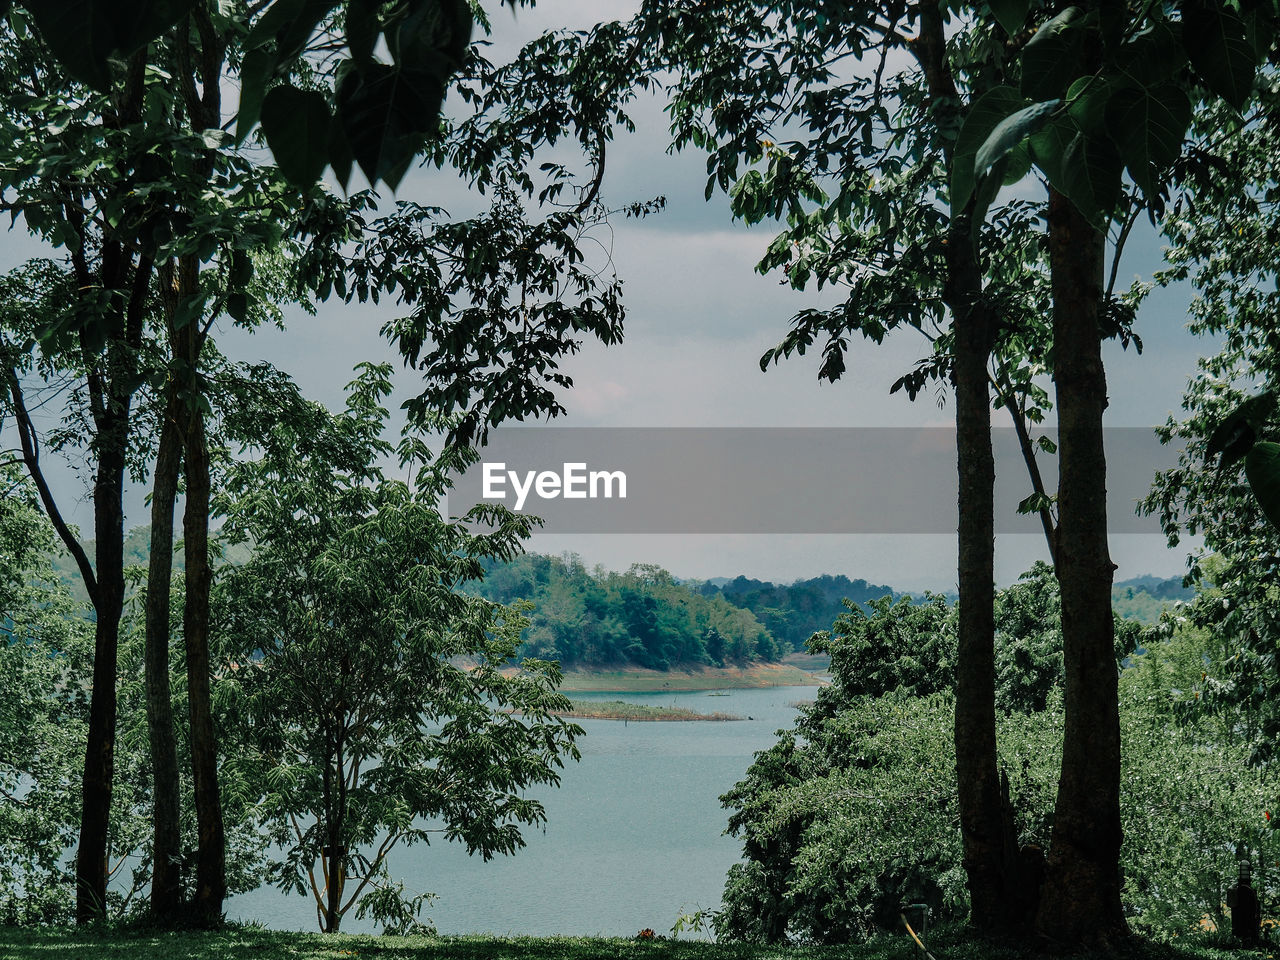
column 31, row 457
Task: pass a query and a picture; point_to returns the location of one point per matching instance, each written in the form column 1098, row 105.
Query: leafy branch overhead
column 376, row 115
column 1239, row 437
column 1084, row 129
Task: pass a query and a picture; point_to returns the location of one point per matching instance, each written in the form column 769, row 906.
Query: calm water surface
column 634, row 833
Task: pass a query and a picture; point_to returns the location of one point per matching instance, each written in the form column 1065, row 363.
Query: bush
column 852, row 813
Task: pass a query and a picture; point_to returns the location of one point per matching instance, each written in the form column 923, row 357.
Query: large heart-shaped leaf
column 1238, row 431
column 256, row 70
column 1262, row 467
column 1011, row 14
column 384, row 111
column 84, row 34
column 1051, row 60
column 983, row 117
column 296, row 124
column 1091, row 169
column 1217, row 44
column 1148, row 126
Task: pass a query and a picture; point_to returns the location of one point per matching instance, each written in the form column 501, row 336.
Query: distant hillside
column 794, row 612
column 1145, row 598
column 642, row 618
column 137, row 553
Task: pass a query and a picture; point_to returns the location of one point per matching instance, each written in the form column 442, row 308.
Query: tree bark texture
column 1080, row 903
column 211, row 885
column 166, row 874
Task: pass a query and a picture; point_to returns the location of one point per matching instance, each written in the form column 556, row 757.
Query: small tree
column 374, row 695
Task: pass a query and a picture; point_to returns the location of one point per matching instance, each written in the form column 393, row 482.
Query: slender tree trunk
column 977, row 775
column 211, row 885
column 166, row 876
column 202, row 61
column 981, row 822
column 99, row 762
column 1081, row 899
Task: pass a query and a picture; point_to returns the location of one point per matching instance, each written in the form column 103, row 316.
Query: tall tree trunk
column 977, row 776
column 211, row 884
column 166, row 876
column 1081, row 899
column 981, row 822
column 99, row 761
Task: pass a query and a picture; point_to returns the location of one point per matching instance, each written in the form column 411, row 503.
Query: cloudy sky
column 699, row 318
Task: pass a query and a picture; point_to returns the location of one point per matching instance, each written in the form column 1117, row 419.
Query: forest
column 309, row 673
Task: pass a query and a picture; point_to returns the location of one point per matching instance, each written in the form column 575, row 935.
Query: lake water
column 634, row 833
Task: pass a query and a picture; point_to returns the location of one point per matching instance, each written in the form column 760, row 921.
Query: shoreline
column 687, row 679
column 641, row 713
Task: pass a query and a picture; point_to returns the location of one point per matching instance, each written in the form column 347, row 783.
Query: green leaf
column 1019, row 164
column 433, row 36
column 1218, row 47
column 1259, row 18
column 84, row 34
column 1091, row 169
column 296, row 124
column 385, row 113
column 1051, row 60
column 1088, row 98
column 983, row 117
column 340, row 157
column 1154, row 55
column 1010, row 14
column 1239, row 429
column 241, row 272
column 985, row 194
column 1049, row 145
column 1148, row 127
column 290, row 23
column 1011, row 131
column 238, row 306
column 363, row 28
column 1262, row 468
column 255, row 73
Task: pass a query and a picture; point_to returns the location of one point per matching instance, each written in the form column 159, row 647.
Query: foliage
column 378, row 114
column 1232, row 270
column 895, row 646
column 641, row 617
column 373, row 697
column 852, row 813
column 44, row 679
column 909, row 647
column 44, row 650
column 795, row 612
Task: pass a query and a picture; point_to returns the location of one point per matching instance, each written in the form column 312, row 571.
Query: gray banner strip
column 874, row 480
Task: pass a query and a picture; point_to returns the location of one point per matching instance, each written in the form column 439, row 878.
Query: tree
column 1112, row 89
column 1219, row 240
column 144, row 198
column 44, row 653
column 855, row 165
column 373, row 688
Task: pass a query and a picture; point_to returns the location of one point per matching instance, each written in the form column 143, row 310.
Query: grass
column 621, row 710
column 637, row 680
column 946, row 943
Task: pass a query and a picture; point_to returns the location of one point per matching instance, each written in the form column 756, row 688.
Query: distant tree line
column 643, row 617
column 647, row 618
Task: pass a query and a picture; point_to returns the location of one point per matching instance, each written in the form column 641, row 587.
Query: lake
column 634, row 833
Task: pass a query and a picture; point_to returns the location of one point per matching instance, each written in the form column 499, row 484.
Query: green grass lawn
column 951, row 943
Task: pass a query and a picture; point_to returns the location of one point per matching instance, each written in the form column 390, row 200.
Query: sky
column 699, row 318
